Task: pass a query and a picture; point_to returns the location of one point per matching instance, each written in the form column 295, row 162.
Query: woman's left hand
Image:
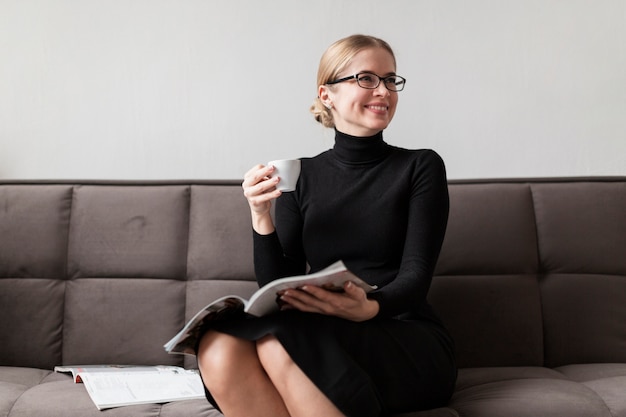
column 351, row 304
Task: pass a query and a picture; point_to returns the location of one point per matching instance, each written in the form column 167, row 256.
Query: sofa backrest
column 532, row 272
column 107, row 273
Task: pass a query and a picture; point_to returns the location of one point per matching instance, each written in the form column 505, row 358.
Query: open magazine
column 262, row 302
column 112, row 386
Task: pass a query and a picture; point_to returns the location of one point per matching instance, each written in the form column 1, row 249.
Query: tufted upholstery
column 531, row 282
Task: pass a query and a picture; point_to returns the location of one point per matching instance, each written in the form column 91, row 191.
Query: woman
column 383, row 211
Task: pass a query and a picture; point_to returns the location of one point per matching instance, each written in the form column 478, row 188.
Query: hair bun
column 322, row 114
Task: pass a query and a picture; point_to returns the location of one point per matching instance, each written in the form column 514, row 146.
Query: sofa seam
column 24, row 392
column 190, row 189
column 16, row 400
column 590, row 389
column 67, row 269
column 69, row 233
column 539, row 273
column 608, row 409
column 189, row 203
column 482, row 384
column 533, row 200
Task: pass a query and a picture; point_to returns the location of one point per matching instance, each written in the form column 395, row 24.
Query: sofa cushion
column 27, row 377
column 605, row 379
column 31, row 321
column 36, row 218
column 472, row 377
column 195, row 408
column 10, row 392
column 524, row 392
column 584, row 318
column 139, row 232
column 15, row 381
column 133, row 317
column 581, row 227
column 495, row 319
column 67, row 399
column 220, row 239
column 499, row 236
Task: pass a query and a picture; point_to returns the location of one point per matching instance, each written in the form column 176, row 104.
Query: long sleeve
column 272, row 259
column 427, row 221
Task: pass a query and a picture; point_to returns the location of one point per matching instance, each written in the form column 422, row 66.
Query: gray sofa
column 531, row 282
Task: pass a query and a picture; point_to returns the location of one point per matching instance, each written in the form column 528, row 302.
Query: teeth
column 381, row 108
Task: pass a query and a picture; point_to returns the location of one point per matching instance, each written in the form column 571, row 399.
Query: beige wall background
column 185, row 89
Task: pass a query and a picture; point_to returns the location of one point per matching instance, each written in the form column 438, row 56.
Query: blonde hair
column 335, row 60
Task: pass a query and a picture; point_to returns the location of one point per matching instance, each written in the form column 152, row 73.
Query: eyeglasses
column 372, row 81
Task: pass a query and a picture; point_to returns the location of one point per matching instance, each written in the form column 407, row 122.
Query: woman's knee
column 219, row 356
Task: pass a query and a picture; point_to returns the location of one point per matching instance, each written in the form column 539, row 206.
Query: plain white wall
column 184, row 89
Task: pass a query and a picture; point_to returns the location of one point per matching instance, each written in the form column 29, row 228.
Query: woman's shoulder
column 421, row 153
column 421, row 156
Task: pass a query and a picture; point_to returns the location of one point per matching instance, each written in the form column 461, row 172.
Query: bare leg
column 233, row 374
column 299, row 393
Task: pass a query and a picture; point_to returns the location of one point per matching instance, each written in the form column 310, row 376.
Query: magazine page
column 185, row 341
column 121, row 388
column 333, row 278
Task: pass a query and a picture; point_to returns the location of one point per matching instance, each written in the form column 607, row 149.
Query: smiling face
column 359, row 111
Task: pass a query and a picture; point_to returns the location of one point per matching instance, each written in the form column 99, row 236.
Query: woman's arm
column 270, row 260
column 426, row 227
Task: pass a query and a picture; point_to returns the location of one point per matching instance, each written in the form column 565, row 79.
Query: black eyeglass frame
column 357, row 75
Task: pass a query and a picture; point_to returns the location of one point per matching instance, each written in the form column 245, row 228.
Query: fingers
column 303, row 301
column 259, row 189
column 349, row 304
column 353, row 290
column 328, row 294
column 258, row 178
column 256, row 174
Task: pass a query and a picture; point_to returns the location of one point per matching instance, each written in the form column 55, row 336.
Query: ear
column 324, row 94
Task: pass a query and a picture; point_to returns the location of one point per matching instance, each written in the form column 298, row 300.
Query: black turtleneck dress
column 383, row 210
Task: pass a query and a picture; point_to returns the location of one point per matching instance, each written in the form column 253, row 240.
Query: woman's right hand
column 259, row 189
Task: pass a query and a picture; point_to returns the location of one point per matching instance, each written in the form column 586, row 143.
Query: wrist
column 263, row 223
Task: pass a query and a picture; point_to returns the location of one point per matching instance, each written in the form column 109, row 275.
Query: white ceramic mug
column 288, row 170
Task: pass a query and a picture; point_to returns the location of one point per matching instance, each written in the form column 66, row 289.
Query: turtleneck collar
column 360, row 149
